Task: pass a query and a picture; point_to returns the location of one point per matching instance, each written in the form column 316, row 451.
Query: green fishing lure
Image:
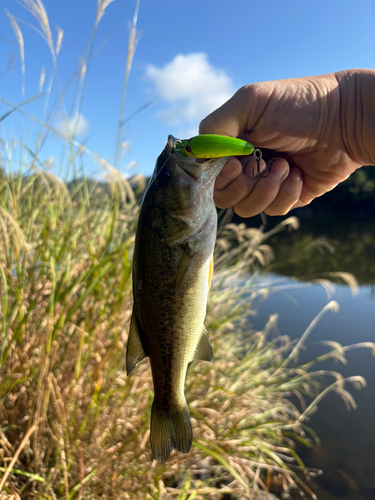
column 213, row 146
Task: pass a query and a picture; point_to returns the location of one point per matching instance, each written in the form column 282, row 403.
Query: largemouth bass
column 172, row 271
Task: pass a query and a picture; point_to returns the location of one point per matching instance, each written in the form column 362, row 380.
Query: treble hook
column 257, row 174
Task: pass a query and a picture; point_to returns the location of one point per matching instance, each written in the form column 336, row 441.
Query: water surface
column 348, row 438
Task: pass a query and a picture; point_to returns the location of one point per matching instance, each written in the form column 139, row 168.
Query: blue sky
column 190, row 58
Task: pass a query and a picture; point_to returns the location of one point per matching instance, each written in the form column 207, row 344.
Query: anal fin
column 204, row 348
column 135, row 351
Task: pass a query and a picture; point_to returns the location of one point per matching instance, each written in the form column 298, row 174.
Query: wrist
column 357, row 113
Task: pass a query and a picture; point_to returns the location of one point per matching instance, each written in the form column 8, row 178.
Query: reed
column 72, row 425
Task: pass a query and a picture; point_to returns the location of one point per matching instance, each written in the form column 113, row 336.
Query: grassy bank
column 72, row 424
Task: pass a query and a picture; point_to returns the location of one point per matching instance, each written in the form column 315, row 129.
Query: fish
column 172, row 272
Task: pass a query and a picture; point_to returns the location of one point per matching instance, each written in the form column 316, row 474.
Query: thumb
column 230, row 119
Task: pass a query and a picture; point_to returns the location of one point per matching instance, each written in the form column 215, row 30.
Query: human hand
column 307, row 125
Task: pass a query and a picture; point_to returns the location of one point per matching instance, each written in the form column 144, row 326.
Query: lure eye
column 188, row 149
column 163, row 177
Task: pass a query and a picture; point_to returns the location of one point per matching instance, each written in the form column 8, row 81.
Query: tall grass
column 72, row 425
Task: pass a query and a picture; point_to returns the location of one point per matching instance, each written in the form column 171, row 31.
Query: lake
column 347, row 437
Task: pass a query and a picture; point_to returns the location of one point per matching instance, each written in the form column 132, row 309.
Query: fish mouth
column 194, row 171
column 198, row 168
column 191, row 166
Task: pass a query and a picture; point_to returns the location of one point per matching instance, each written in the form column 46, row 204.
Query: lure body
column 213, row 146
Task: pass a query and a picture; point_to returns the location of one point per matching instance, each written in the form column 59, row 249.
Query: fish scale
column 172, row 269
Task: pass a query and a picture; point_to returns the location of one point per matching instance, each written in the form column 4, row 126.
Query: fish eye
column 163, row 177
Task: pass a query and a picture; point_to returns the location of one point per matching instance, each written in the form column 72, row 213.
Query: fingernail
column 279, row 168
column 282, row 176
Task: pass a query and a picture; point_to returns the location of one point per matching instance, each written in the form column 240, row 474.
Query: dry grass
column 72, row 425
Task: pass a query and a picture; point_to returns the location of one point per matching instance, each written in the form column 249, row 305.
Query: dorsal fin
column 135, row 351
column 204, row 348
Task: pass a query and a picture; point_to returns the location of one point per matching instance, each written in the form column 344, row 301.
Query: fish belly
column 172, row 329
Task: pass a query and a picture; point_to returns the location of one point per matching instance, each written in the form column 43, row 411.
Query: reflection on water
column 325, row 244
column 348, row 438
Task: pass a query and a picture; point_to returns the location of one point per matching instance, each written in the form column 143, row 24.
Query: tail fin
column 169, row 429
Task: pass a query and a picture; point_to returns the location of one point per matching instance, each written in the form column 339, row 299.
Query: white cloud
column 76, row 123
column 190, row 86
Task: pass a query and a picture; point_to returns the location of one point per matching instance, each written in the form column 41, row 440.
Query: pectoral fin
column 184, row 264
column 135, row 351
column 204, row 348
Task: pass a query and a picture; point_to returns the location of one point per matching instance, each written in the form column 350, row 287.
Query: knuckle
column 241, row 212
column 221, row 201
column 290, row 194
column 273, row 211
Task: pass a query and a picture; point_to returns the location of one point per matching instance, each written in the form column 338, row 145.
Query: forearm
column 357, row 103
